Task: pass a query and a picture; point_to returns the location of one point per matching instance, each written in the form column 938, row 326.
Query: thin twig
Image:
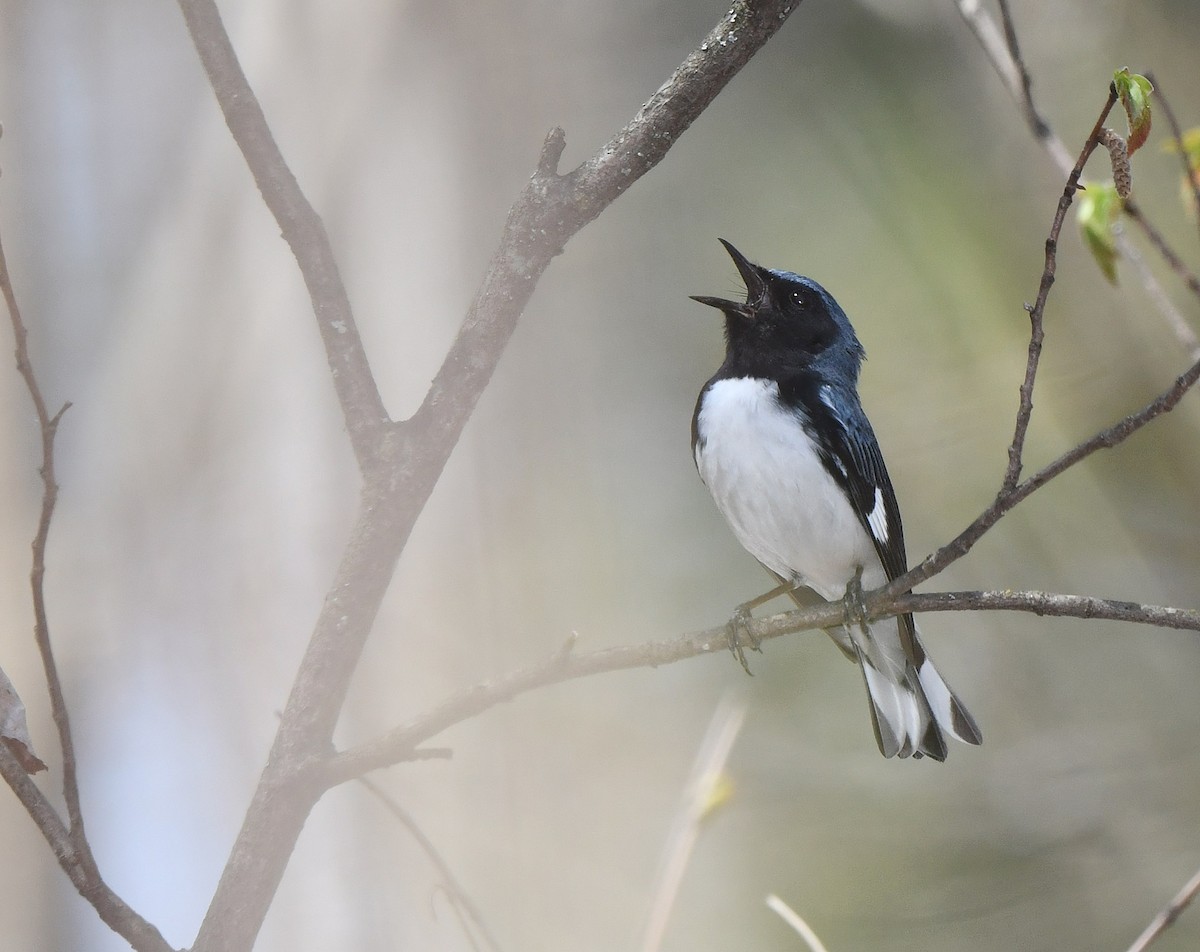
column 69, row 842
column 48, row 427
column 1155, row 237
column 1165, row 919
column 1178, row 324
column 1037, row 311
column 301, row 227
column 462, row 903
column 1190, row 174
column 1041, row 129
column 1115, row 434
column 792, row 918
column 1005, row 58
column 1107, row 438
column 695, row 806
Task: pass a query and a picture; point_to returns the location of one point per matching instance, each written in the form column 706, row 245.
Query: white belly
column 775, row 493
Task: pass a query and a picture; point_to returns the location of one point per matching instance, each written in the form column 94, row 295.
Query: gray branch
column 401, row 462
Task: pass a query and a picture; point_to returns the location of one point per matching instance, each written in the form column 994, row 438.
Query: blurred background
column 207, row 485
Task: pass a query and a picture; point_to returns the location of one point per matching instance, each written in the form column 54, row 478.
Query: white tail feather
column 910, row 707
column 897, row 711
column 947, row 709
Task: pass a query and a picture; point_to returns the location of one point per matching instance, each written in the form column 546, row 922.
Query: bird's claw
column 741, row 637
column 854, row 606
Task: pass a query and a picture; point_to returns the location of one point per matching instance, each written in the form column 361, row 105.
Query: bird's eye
column 797, row 299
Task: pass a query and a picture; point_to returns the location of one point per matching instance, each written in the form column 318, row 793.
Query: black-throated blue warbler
column 781, row 441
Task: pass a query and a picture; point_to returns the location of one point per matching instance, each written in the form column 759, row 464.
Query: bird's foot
column 854, row 606
column 740, row 635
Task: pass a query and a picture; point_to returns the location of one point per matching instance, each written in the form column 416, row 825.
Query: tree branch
column 552, row 208
column 80, row 869
column 1012, row 491
column 1006, row 501
column 69, row 842
column 401, row 463
column 1005, row 57
column 1165, row 919
column 1037, row 312
column 1052, row 604
column 469, row 914
column 300, row 225
column 404, row 742
column 48, row 427
column 1186, row 276
column 1190, row 174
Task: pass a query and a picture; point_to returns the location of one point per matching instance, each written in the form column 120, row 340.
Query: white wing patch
column 826, row 395
column 877, row 519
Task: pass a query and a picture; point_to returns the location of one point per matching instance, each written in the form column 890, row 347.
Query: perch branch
column 403, row 742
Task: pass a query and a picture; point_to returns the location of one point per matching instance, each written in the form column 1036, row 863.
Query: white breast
column 772, row 488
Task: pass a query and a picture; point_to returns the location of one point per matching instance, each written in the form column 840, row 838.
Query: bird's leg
column 739, row 624
column 854, row 607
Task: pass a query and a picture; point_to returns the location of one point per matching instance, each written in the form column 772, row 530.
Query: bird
column 781, row 441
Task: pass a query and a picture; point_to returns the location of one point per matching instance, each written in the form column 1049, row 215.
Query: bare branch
column 1036, row 123
column 362, row 407
column 468, row 913
column 1155, row 237
column 48, row 427
column 402, row 743
column 1005, row 57
column 1037, row 312
column 401, row 463
column 1050, row 603
column 1006, row 501
column 1189, row 173
column 69, row 842
column 118, row 916
column 1165, row 919
column 553, row 207
column 1115, row 434
column 42, row 811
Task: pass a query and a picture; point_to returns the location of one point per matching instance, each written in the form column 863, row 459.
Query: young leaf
column 1134, row 90
column 1099, row 209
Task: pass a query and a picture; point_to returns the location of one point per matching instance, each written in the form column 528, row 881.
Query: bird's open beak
column 756, row 287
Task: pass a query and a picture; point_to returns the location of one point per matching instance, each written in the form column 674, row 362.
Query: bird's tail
column 912, row 707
